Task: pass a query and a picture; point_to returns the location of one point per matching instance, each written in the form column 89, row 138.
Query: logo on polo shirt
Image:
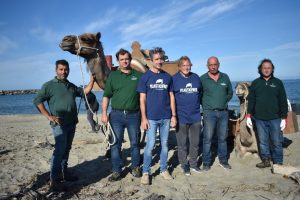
column 273, row 85
column 188, row 89
column 133, row 78
column 159, row 85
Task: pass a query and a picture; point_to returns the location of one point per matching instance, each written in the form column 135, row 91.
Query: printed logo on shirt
column 159, row 85
column 272, row 85
column 223, row 84
column 133, row 78
column 188, row 89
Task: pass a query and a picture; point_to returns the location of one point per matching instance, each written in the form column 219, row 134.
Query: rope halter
column 85, row 47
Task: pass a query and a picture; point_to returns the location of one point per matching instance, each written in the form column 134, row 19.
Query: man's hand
column 249, row 121
column 55, row 120
column 283, row 124
column 104, row 118
column 145, row 124
column 173, row 121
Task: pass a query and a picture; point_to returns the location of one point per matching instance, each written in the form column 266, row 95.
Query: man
column 60, row 95
column 121, row 88
column 217, row 91
column 92, row 104
column 268, row 107
column 157, row 105
column 187, row 91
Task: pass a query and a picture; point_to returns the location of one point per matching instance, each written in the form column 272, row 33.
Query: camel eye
column 87, row 40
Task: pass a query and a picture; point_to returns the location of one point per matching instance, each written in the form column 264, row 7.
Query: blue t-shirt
column 187, row 93
column 156, row 86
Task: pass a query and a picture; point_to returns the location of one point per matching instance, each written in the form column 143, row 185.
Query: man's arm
column 105, row 102
column 145, row 123
column 89, row 87
column 230, row 91
column 41, row 108
column 173, row 109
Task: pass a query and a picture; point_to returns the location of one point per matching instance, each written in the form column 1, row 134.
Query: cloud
column 175, row 17
column 287, row 46
column 112, row 16
column 45, row 34
column 210, row 12
column 6, row 44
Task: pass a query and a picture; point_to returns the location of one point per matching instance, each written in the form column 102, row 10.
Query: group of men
column 156, row 101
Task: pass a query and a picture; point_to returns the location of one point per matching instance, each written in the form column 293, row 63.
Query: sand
column 26, row 147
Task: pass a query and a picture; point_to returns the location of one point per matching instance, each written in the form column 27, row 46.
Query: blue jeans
column 119, row 121
column 270, row 130
column 164, row 127
column 63, row 136
column 215, row 122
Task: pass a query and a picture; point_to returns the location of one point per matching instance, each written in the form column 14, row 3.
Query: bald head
column 213, row 65
column 212, row 59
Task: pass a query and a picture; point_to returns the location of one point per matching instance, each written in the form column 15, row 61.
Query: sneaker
column 116, row 176
column 145, row 179
column 166, row 175
column 186, row 171
column 206, row 168
column 196, row 170
column 136, row 172
column 264, row 163
column 225, row 166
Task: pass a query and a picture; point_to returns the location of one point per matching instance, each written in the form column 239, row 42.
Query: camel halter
column 107, row 131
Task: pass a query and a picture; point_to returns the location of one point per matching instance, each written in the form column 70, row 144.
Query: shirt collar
column 60, row 81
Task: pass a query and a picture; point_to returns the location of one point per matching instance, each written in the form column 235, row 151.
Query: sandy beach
column 26, row 147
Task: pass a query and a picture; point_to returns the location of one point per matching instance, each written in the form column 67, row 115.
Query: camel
column 89, row 46
column 245, row 138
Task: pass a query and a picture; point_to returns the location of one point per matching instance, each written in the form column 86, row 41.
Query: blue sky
column 239, row 32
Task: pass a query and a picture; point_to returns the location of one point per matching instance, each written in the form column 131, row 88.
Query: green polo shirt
column 267, row 99
column 121, row 88
column 216, row 94
column 60, row 96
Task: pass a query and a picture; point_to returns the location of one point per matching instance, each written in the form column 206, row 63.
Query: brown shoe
column 166, row 175
column 264, row 163
column 145, row 179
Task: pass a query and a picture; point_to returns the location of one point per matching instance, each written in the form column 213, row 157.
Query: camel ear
column 98, row 35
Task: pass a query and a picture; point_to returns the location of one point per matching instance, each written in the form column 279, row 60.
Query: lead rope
column 106, row 130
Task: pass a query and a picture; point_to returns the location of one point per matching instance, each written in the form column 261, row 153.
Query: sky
column 239, row 32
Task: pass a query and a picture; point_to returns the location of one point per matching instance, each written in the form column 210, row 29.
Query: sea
column 22, row 104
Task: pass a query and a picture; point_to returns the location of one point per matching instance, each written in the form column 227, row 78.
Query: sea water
column 23, row 104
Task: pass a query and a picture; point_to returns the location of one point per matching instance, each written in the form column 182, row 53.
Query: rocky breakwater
column 17, row 92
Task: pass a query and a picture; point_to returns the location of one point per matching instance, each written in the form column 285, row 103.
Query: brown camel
column 89, row 47
column 245, row 138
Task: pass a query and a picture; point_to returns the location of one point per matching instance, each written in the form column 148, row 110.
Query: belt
column 219, row 109
column 125, row 111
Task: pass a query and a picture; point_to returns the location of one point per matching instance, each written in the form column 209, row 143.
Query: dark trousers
column 188, row 136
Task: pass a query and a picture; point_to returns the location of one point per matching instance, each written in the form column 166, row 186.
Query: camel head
column 89, row 47
column 242, row 90
column 86, row 45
